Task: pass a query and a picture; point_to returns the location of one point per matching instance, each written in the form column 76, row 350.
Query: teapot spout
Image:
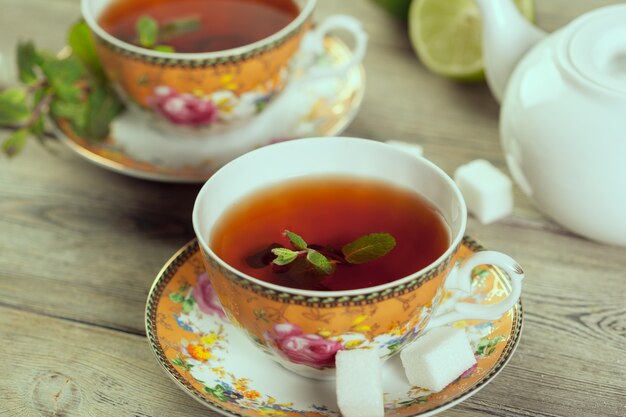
column 507, row 36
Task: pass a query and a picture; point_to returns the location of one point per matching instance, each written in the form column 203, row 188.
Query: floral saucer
column 222, row 369
column 140, row 146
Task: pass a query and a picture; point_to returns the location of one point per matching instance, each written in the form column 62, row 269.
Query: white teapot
column 563, row 116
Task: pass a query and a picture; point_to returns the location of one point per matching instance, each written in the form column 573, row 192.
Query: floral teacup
column 302, row 329
column 216, row 88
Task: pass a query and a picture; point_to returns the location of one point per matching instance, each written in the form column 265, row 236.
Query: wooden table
column 80, row 247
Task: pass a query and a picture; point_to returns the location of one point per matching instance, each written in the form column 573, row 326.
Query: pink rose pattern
column 306, row 349
column 183, row 109
column 206, row 298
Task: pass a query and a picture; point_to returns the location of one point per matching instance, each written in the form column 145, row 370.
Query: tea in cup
column 317, row 245
column 211, row 62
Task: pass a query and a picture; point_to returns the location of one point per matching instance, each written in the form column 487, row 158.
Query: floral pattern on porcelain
column 205, row 296
column 217, row 365
column 198, row 109
column 307, row 349
column 203, row 355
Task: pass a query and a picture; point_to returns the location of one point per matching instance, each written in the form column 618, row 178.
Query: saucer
column 221, row 368
column 141, row 148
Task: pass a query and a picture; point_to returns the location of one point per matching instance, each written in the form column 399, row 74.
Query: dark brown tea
column 223, row 24
column 330, row 212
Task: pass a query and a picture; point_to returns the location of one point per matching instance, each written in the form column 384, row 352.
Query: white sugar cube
column 487, row 192
column 410, row 148
column 359, row 383
column 437, row 358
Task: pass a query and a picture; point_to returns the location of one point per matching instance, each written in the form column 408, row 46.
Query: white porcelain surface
column 563, row 124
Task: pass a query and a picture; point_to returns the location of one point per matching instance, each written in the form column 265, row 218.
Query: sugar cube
column 359, row 383
column 437, row 358
column 487, row 191
column 410, row 148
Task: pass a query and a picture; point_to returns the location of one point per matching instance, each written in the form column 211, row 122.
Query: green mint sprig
column 326, row 259
column 151, row 35
column 72, row 88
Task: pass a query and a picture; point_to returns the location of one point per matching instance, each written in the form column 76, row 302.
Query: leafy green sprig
column 151, row 35
column 326, row 259
column 73, row 88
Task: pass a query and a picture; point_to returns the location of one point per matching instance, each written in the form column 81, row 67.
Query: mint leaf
column 80, row 40
column 368, row 248
column 147, row 30
column 37, row 128
column 13, row 106
column 64, row 72
column 27, row 60
column 284, row 256
column 61, row 109
column 75, row 112
column 320, row 262
column 164, row 48
column 103, row 106
column 14, row 143
column 296, row 240
column 178, row 27
column 68, row 92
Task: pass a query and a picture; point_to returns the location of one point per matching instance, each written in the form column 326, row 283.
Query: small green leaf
column 296, row 240
column 491, row 350
column 74, row 112
column 178, row 27
column 80, row 39
column 27, row 60
column 61, row 109
column 188, row 305
column 103, row 106
column 68, row 92
column 64, row 72
column 13, row 107
column 164, row 48
column 14, row 143
column 368, row 248
column 284, row 256
column 320, row 262
column 147, row 30
column 37, row 128
column 177, row 297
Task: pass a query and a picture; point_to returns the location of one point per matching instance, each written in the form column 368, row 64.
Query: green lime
column 398, row 8
column 446, row 34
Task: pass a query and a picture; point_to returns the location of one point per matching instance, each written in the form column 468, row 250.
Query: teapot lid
column 597, row 47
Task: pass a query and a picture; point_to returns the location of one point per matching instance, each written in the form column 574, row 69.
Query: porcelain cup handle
column 313, row 44
column 460, row 279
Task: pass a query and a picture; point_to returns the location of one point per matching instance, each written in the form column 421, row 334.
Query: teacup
column 216, row 88
column 289, row 328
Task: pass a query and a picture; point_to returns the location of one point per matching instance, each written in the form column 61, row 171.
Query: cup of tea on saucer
column 210, row 63
column 318, row 245
column 205, row 81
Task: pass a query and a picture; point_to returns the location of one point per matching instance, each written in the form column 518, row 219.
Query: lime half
column 446, row 34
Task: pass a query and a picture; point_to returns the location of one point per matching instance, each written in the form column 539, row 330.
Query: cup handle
column 314, row 43
column 460, row 279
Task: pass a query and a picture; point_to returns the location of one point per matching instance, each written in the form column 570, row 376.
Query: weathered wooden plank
column 88, row 371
